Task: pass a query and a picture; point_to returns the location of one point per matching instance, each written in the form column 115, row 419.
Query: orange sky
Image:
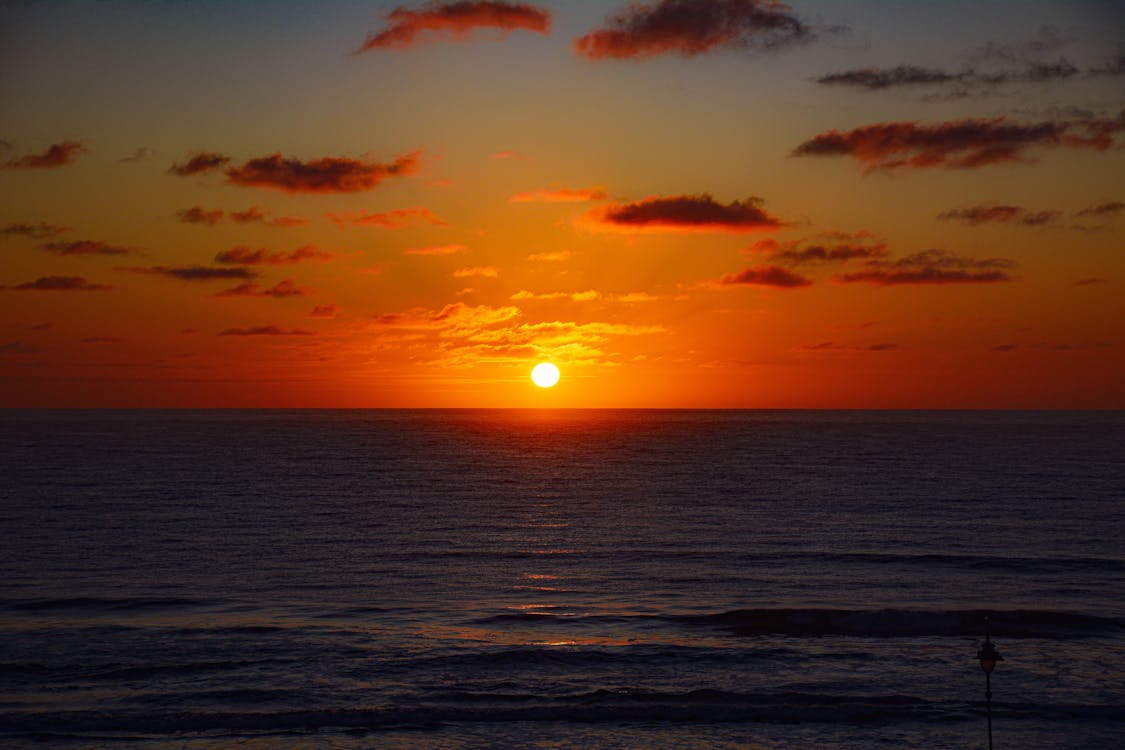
column 681, row 204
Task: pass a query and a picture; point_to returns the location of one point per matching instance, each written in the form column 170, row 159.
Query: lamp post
column 988, row 656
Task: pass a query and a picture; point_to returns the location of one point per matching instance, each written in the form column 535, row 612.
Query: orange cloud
column 437, row 250
column 960, row 143
column 551, row 257
column 244, row 256
column 396, row 219
column 58, row 155
column 560, row 195
column 931, row 267
column 323, row 311
column 286, row 288
column 266, row 331
column 85, row 247
column 488, row 272
column 768, row 276
column 200, row 162
column 200, row 215
column 58, row 284
column 454, row 21
column 38, row 231
column 692, row 27
column 327, row 175
column 683, row 213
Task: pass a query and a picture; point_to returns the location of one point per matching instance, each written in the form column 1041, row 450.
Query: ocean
column 560, row 579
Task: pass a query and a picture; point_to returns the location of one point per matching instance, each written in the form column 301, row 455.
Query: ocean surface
column 560, row 579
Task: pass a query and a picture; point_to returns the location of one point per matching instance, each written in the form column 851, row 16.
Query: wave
column 708, row 706
column 94, row 604
column 879, row 623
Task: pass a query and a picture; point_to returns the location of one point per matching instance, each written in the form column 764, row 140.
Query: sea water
column 557, row 579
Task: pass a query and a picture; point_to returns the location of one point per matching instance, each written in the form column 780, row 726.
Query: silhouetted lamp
column 988, row 656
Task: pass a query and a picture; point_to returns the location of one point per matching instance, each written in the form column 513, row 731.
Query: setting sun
column 545, row 375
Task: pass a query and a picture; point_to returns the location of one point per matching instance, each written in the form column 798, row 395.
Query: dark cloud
column 1111, row 208
column 874, row 79
column 992, row 213
column 102, row 340
column 1090, row 282
column 38, row 231
column 200, row 215
column 59, row 284
column 960, row 143
column 199, row 163
column 327, row 175
column 455, row 20
column 58, row 155
column 244, row 256
column 771, row 276
column 17, row 347
column 931, row 267
column 693, row 27
column 85, row 247
column 831, row 346
column 144, row 153
column 256, row 215
column 828, row 254
column 323, row 311
column 266, row 331
column 285, row 288
column 699, row 213
column 196, row 273
column 394, row 219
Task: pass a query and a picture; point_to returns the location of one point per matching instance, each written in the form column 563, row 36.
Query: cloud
column 453, row 317
column 991, row 213
column 488, row 272
column 199, row 163
column 38, row 231
column 768, row 276
column 58, row 155
column 556, row 256
column 244, row 256
column 1091, row 282
column 323, row 311
column 960, row 143
column 692, row 27
column 1111, row 208
column 931, row 267
column 59, row 284
column 195, row 273
column 266, row 331
column 841, row 248
column 285, row 288
column 200, row 215
column 873, row 79
column 396, row 219
column 326, row 175
column 560, row 195
column 587, row 296
column 85, row 247
column 831, row 346
column 437, row 250
column 144, row 153
column 455, row 21
column 17, row 347
column 684, row 213
column 102, row 340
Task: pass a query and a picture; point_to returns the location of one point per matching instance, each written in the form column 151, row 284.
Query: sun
column 545, row 375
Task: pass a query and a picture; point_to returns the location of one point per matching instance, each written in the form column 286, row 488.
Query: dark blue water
column 417, row 579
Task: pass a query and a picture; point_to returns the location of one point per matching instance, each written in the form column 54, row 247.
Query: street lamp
column 988, row 656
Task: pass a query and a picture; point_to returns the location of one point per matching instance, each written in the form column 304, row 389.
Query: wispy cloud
column 775, row 277
column 285, row 288
column 931, row 267
column 86, row 247
column 57, row 155
column 829, row 247
column 993, row 213
column 324, row 311
column 960, row 143
column 693, row 27
column 58, row 284
column 553, row 256
column 437, row 250
column 142, row 154
column 38, row 231
column 455, row 21
column 1109, row 208
column 395, row 219
column 195, row 273
column 682, row 213
column 488, row 272
column 830, row 347
column 560, row 195
column 266, row 331
column 244, row 256
column 289, row 175
column 200, row 162
column 200, row 215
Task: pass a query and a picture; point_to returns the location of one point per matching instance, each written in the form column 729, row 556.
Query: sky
column 680, row 203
